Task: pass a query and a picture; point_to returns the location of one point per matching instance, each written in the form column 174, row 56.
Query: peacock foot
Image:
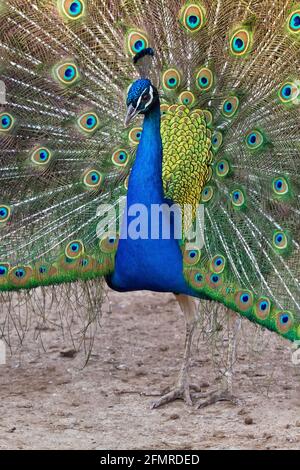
column 181, row 392
column 215, row 397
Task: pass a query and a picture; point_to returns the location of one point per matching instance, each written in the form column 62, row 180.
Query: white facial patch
column 148, row 103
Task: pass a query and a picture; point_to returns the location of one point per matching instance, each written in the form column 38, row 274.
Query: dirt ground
column 52, row 402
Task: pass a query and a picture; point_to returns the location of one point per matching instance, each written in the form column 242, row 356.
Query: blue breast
column 148, row 264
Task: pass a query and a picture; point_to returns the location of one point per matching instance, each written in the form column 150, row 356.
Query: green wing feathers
column 231, row 66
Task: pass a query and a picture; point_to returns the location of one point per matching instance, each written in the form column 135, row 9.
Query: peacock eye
column 240, row 42
column 41, row 156
column 294, row 22
column 146, row 97
column 288, row 92
column 192, row 17
column 92, row 179
column 5, row 213
column 204, row 79
column 72, row 9
column 74, row 249
column 284, row 321
column 6, row 122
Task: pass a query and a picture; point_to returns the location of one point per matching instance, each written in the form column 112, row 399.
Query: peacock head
column 141, row 98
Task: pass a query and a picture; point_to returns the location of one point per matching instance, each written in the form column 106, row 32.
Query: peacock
column 209, row 91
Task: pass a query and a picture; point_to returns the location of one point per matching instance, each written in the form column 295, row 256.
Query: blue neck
column 148, row 264
column 145, row 182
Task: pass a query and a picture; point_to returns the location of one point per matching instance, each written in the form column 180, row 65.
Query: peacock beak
column 131, row 113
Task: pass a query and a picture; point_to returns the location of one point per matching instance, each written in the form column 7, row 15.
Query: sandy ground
column 51, row 402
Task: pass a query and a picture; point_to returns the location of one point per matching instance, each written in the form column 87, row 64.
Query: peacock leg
column 183, row 388
column 226, row 393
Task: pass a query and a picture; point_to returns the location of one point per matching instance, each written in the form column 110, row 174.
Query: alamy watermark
column 157, row 222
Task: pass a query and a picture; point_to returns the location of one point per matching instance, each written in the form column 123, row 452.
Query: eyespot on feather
column 5, row 214
column 192, row 17
column 216, row 141
column 41, row 156
column 238, row 198
column 262, row 308
column 171, row 80
column 86, row 264
column 4, row 270
column 230, row 106
column 254, row 139
column 88, row 122
column 280, row 240
column 218, row 264
column 136, row 41
column 44, row 270
column 204, row 79
column 244, row 300
column 214, row 280
column 74, row 249
column 120, row 158
column 20, row 275
column 191, row 256
column 240, row 42
column 109, row 243
column 222, row 168
column 294, row 22
column 196, row 278
column 66, row 73
column 280, row 186
column 207, row 194
column 284, row 321
column 135, row 135
column 289, row 92
column 92, row 179
column 72, row 9
column 7, row 122
column 187, row 98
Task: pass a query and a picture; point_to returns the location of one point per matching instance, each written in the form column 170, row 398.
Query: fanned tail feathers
column 64, row 151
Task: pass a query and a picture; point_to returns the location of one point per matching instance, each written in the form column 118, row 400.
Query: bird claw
column 216, row 397
column 181, row 392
